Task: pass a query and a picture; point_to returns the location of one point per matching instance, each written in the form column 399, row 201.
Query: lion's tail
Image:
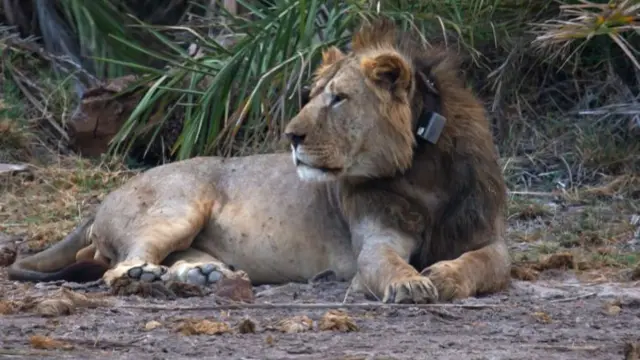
column 58, row 262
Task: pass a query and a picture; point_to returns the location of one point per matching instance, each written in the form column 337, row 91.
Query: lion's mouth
column 321, row 168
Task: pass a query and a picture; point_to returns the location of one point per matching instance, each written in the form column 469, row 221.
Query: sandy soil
column 555, row 317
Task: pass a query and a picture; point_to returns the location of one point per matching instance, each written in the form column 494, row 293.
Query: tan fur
column 408, row 221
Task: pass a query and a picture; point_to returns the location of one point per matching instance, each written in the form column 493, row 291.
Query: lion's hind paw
column 201, row 274
column 144, row 272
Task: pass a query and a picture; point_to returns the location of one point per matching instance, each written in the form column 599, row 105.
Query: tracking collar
column 430, row 123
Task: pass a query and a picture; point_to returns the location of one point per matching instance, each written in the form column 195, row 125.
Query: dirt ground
column 552, row 318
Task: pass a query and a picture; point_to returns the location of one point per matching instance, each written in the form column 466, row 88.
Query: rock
column 100, row 116
column 103, row 111
column 8, row 250
column 235, row 289
column 13, row 168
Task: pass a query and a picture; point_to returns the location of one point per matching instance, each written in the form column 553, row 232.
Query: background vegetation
column 560, row 78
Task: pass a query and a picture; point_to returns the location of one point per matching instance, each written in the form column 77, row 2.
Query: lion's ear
column 388, row 69
column 331, row 56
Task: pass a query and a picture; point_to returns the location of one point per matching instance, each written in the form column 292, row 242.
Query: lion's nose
column 295, row 139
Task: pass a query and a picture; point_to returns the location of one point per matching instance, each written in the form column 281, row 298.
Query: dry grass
column 202, row 327
column 45, row 203
column 563, row 93
column 599, row 237
column 561, row 139
column 14, row 141
column 337, row 320
column 589, row 19
column 47, row 343
column 15, row 138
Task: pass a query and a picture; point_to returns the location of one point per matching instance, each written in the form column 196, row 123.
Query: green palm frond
column 251, row 88
column 237, row 98
column 245, row 94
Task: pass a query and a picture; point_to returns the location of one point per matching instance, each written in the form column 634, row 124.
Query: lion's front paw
column 449, row 280
column 140, row 271
column 202, row 274
column 413, row 289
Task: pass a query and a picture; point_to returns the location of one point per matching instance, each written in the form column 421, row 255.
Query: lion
column 395, row 186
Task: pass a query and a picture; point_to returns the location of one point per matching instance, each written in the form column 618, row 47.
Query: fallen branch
column 565, row 348
column 533, row 193
column 573, row 298
column 22, row 354
column 245, row 306
column 443, row 315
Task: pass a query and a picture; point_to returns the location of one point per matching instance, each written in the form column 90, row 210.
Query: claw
column 411, row 290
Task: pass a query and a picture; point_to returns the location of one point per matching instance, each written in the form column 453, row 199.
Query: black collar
column 430, row 122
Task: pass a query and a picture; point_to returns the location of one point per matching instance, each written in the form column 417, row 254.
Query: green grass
column 14, row 134
column 12, row 107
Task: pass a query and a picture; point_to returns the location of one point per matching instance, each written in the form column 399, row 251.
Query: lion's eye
column 338, row 98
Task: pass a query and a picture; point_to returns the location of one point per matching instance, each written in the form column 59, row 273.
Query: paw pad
column 147, row 273
column 204, row 274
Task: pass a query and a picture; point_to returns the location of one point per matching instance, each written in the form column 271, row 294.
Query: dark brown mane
column 463, row 162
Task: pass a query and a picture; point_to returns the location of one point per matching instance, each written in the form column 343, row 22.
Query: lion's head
column 360, row 120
